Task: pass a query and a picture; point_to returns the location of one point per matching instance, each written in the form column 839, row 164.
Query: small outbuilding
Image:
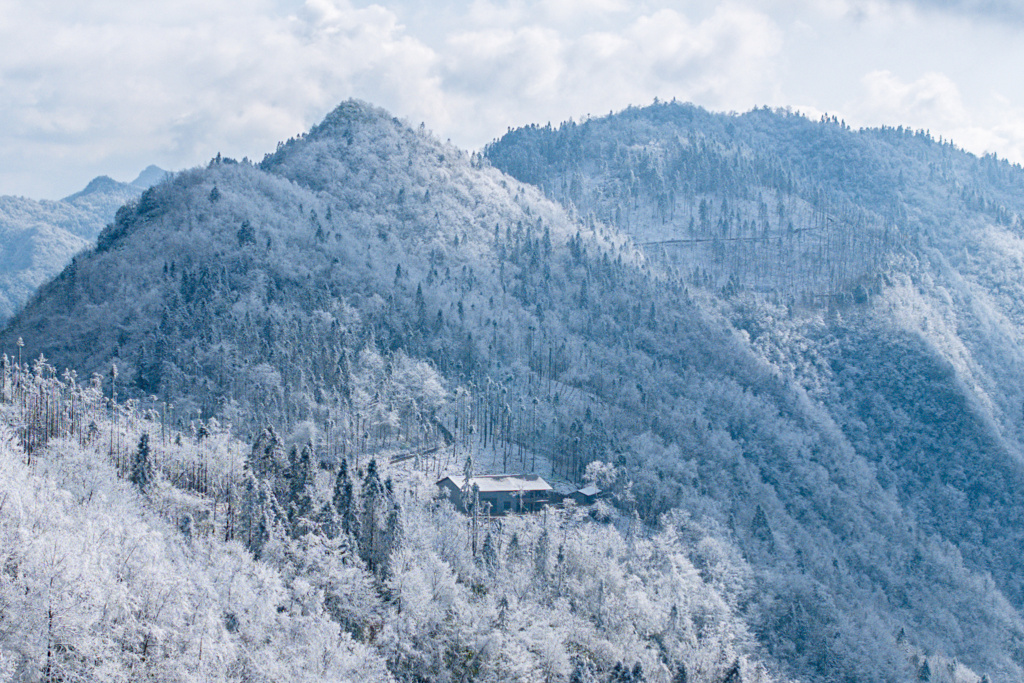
column 500, row 494
column 588, row 495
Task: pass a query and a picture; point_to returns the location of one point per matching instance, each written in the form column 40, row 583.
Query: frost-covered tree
column 344, row 502
column 271, row 526
column 375, row 538
column 141, row 474
column 302, row 482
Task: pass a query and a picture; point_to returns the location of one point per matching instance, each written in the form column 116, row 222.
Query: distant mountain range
column 800, row 346
column 38, row 238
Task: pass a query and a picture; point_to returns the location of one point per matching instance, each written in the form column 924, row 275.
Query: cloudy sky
column 110, row 86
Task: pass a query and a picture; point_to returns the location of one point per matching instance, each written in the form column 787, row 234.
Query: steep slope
column 376, row 284
column 38, row 238
column 877, row 269
column 281, row 274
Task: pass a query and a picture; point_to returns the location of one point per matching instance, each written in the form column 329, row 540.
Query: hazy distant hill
column 38, row 238
column 834, row 410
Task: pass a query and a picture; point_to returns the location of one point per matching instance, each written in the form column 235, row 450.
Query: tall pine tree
column 302, row 480
column 142, row 467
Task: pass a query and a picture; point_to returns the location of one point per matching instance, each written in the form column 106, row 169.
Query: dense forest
column 133, row 550
column 807, row 212
column 789, row 349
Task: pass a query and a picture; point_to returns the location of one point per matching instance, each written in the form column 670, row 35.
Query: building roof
column 494, row 483
column 589, row 490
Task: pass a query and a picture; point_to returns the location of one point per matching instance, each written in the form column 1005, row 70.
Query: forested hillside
column 134, row 550
column 769, row 201
column 38, row 238
column 876, row 269
column 823, row 419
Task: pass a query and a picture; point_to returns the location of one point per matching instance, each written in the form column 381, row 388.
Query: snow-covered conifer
column 301, row 480
column 141, row 474
column 343, row 500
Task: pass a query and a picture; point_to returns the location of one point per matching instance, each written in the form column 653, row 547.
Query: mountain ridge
column 38, row 238
column 328, row 283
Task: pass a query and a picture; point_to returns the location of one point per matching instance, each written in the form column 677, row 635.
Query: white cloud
column 564, row 15
column 525, row 71
column 111, row 86
column 934, row 102
column 933, row 98
column 571, row 12
column 525, row 62
column 124, row 88
column 996, row 10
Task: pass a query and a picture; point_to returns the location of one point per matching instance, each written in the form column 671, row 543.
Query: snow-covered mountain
column 793, row 346
column 38, row 238
column 877, row 271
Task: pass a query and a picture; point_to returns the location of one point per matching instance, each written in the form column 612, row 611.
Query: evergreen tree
column 142, row 467
column 250, row 505
column 489, row 552
column 267, row 455
column 344, row 502
column 328, row 521
column 540, row 557
column 269, row 533
column 467, row 483
column 393, row 532
column 345, row 375
column 374, row 519
column 302, row 480
column 421, row 310
column 513, row 547
column 761, row 529
column 621, row 674
column 246, row 234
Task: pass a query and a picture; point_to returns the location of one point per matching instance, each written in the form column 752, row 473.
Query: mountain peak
column 104, row 184
column 149, row 177
column 346, row 114
column 354, row 138
column 342, row 123
column 99, row 184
